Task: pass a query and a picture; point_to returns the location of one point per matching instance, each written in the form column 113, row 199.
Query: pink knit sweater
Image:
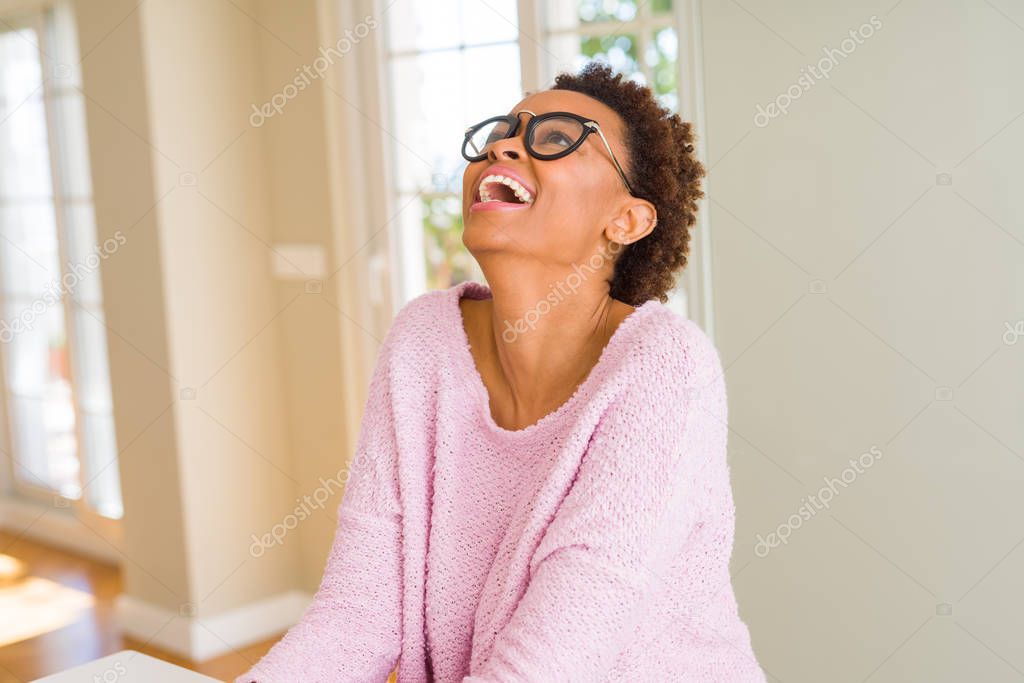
column 590, row 546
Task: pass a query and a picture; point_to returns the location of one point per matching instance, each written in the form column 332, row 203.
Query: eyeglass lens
column 550, row 136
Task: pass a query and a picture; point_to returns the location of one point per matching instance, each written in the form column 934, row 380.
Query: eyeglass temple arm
column 608, row 147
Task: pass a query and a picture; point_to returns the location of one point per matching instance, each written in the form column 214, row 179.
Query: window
column 635, row 38
column 439, row 59
column 59, row 419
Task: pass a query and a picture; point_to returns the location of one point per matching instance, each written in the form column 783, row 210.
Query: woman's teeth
column 521, row 193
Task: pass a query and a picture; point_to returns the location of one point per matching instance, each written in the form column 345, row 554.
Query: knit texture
column 591, row 546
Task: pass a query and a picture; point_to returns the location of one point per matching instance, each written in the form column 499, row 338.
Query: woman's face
column 575, row 197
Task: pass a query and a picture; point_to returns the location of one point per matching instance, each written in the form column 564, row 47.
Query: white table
column 127, row 666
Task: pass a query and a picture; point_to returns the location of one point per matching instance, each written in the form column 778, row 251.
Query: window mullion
column 605, row 29
column 532, row 45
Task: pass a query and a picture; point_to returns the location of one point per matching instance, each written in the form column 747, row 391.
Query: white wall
column 861, row 301
column 231, row 402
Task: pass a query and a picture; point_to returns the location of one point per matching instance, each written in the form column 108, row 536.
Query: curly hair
column 661, row 167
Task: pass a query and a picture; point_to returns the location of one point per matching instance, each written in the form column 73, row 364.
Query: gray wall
column 868, row 257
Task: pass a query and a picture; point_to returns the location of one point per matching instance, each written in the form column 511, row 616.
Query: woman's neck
column 537, row 342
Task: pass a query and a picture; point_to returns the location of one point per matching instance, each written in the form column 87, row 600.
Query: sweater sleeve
column 351, row 633
column 631, row 505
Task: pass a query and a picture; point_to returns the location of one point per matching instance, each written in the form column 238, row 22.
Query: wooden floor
column 92, row 633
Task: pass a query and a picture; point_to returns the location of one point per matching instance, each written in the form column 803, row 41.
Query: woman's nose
column 507, row 148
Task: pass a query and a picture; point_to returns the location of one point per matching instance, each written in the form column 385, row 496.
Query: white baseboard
column 55, row 527
column 198, row 639
column 204, row 638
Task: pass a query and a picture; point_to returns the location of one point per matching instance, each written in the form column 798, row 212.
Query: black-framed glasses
column 551, row 135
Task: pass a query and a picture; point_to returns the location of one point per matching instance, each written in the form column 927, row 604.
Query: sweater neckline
column 466, row 362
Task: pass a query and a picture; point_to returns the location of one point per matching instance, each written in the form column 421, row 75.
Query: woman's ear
column 635, row 221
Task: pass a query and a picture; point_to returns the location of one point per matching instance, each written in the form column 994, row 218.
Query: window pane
column 103, row 481
column 426, row 87
column 92, row 377
column 20, row 72
column 43, row 415
column 447, row 261
column 84, row 255
column 409, row 247
column 436, row 96
column 571, row 51
column 24, row 151
column 69, row 112
column 618, row 50
column 607, row 10
column 44, row 441
column 492, row 21
column 29, row 262
column 661, row 61
column 421, row 26
column 417, row 26
column 36, row 351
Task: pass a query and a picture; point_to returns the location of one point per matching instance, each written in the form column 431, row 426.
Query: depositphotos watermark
column 813, row 73
column 54, row 289
column 559, row 292
column 814, row 503
column 302, row 512
column 1014, row 333
column 111, row 674
column 311, row 72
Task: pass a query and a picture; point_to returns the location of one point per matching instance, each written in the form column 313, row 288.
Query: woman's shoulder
column 665, row 347
column 424, row 326
column 672, row 382
column 419, row 316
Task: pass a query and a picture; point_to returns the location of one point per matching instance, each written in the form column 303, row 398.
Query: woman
column 540, row 490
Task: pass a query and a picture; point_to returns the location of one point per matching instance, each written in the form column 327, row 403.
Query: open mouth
column 503, row 190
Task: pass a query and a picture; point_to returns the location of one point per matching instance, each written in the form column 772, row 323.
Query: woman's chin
column 490, row 233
